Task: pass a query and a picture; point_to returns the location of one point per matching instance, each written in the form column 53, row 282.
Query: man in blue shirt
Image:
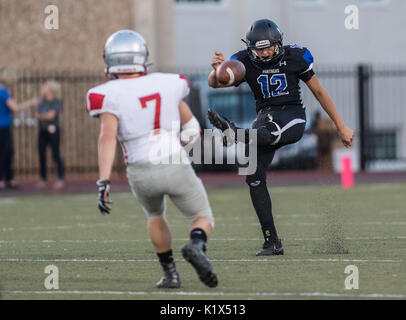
column 7, row 106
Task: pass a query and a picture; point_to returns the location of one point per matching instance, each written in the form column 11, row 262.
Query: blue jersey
column 278, row 84
column 5, row 112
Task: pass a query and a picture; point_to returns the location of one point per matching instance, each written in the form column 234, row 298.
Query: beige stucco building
column 82, row 31
column 32, row 51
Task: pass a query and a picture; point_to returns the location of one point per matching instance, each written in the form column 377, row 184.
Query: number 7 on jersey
column 157, row 98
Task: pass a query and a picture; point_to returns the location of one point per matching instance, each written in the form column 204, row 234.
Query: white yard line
column 391, row 211
column 213, row 260
column 208, row 294
column 129, row 226
column 179, row 221
column 65, row 227
column 186, row 239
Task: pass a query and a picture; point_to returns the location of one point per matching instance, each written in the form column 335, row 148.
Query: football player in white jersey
column 145, row 113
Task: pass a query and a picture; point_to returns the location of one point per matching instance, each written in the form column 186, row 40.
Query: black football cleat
column 227, row 128
column 193, row 253
column 271, row 248
column 171, row 278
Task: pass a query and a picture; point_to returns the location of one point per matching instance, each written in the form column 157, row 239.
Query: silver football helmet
column 125, row 51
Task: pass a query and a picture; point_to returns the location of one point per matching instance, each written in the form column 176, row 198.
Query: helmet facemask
column 265, row 59
column 276, row 57
column 124, row 62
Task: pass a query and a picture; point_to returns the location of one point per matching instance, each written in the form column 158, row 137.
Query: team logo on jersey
column 271, row 71
column 296, row 46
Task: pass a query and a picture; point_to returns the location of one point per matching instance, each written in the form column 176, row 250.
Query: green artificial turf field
column 323, row 229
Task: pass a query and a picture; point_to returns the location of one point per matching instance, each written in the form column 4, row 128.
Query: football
column 230, row 72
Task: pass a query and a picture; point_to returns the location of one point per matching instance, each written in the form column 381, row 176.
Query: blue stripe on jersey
column 307, row 56
column 233, row 58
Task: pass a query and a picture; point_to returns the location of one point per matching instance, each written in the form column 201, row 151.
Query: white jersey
column 147, row 109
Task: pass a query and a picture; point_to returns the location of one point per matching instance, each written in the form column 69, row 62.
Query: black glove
column 103, row 198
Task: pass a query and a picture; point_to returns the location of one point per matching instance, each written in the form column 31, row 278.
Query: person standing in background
column 7, row 106
column 48, row 110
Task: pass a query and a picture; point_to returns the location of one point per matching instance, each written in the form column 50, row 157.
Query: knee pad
column 274, row 128
column 266, row 121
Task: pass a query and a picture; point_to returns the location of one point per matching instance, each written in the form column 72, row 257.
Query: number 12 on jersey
column 276, row 79
column 157, row 98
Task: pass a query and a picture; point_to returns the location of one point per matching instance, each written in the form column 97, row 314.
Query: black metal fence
column 370, row 99
column 385, row 115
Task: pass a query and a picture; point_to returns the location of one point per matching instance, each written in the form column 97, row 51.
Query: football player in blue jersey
column 273, row 71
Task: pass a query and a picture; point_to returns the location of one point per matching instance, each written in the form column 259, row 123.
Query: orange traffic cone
column 347, row 176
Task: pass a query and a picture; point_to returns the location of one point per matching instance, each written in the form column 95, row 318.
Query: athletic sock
column 165, row 257
column 269, row 236
column 263, row 207
column 198, row 237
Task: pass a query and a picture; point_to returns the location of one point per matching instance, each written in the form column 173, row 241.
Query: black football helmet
column 262, row 34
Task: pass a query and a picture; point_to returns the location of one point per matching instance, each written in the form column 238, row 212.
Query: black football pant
column 46, row 138
column 6, row 154
column 287, row 126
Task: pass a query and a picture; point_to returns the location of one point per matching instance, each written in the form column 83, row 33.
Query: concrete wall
column 154, row 20
column 84, row 27
column 379, row 39
column 202, row 28
column 186, row 34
